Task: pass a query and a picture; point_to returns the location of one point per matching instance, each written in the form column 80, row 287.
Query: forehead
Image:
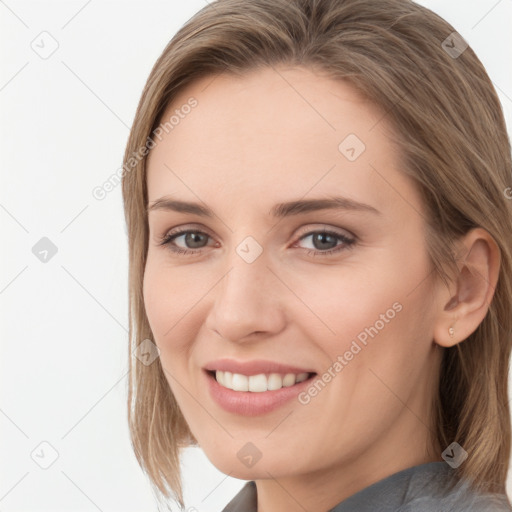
column 275, row 134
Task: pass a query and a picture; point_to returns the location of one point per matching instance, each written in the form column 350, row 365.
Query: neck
column 322, row 490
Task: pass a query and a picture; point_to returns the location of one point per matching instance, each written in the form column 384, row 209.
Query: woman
column 321, row 257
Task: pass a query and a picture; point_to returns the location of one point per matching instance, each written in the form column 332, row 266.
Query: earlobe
column 473, row 289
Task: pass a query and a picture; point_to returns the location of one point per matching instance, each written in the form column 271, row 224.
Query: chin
column 242, row 461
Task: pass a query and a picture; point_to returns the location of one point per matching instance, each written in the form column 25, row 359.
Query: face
column 317, row 313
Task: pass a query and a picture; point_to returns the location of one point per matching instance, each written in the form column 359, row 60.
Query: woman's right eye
column 190, row 238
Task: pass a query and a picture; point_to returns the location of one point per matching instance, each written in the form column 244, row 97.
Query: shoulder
column 460, row 499
column 436, row 488
column 245, row 500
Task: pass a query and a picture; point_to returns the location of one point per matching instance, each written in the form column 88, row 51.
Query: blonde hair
column 449, row 126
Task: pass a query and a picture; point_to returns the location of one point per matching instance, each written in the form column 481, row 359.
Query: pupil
column 192, row 238
column 323, row 238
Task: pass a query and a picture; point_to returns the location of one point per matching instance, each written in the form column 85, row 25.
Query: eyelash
column 347, row 242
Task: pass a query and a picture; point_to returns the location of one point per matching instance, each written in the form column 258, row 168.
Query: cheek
column 157, row 302
column 177, row 302
column 377, row 310
column 338, row 303
column 375, row 337
column 169, row 294
column 168, row 297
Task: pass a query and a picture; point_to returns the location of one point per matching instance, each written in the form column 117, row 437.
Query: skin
column 255, row 141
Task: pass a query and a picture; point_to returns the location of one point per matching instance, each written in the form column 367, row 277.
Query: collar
column 422, row 486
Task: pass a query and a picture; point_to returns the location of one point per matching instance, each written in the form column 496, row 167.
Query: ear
column 466, row 301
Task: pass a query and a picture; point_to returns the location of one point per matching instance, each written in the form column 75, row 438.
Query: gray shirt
column 429, row 487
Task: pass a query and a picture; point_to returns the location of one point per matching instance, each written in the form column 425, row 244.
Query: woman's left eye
column 323, row 239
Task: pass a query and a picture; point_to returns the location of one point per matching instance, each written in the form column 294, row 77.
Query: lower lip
column 249, row 403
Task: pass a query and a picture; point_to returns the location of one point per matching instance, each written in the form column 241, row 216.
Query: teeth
column 240, row 382
column 258, row 383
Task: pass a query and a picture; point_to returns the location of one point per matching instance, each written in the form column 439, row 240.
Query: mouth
column 260, row 382
column 254, row 387
column 254, row 395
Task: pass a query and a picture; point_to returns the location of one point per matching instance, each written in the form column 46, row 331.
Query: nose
column 247, row 302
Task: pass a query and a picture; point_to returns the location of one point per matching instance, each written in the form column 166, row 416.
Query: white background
column 64, row 124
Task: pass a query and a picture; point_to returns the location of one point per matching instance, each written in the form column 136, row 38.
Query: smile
column 258, row 383
column 257, row 394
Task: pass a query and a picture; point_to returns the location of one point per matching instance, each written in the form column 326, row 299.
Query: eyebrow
column 279, row 210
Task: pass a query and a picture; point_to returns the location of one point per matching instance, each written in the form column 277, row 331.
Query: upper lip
column 253, row 367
